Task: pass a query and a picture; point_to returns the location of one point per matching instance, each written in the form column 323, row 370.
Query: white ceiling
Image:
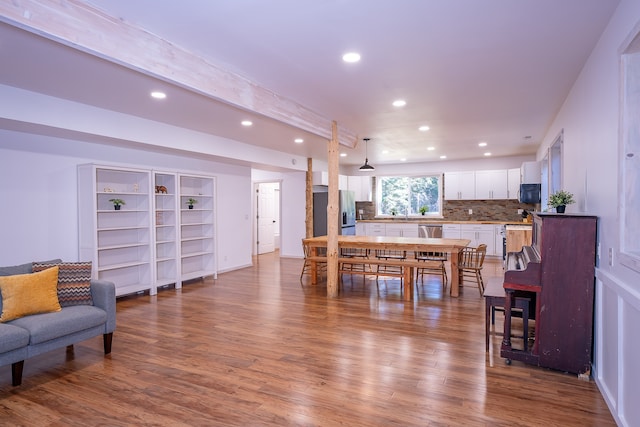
column 491, row 70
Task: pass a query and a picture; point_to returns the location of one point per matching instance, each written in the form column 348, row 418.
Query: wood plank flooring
column 255, row 348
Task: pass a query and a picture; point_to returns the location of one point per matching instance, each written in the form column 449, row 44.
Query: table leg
column 408, row 283
column 453, row 261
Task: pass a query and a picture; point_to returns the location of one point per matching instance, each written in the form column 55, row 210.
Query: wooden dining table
column 411, row 245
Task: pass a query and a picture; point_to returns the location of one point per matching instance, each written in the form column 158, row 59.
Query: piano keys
column 557, row 272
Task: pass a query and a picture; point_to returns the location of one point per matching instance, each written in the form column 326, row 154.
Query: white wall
column 38, row 189
column 590, row 119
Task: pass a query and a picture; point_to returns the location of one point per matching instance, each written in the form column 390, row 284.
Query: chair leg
column 480, row 284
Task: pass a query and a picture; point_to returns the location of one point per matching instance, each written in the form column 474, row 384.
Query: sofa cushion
column 48, row 326
column 12, row 270
column 27, row 268
column 74, row 281
column 25, row 294
column 12, row 337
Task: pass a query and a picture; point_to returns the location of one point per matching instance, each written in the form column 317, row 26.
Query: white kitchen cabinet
column 513, row 181
column 480, row 234
column 117, row 242
column 498, row 233
column 492, row 184
column 376, row 229
column 322, row 178
column 361, row 228
column 361, row 186
column 197, row 227
column 165, row 208
column 401, row 230
column 459, row 185
column 451, row 231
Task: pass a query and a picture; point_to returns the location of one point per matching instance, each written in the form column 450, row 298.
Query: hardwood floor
column 255, row 348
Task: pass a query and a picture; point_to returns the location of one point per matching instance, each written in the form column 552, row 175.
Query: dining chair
column 434, row 262
column 357, row 260
column 390, row 270
column 470, row 263
column 320, row 265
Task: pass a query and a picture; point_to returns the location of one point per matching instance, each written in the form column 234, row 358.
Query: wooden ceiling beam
column 82, row 27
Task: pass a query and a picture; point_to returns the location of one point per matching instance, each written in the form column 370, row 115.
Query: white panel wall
column 590, row 118
column 38, row 189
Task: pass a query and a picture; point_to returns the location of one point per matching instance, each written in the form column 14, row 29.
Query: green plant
column 561, row 198
column 424, row 209
column 191, row 201
column 394, row 211
column 117, row 202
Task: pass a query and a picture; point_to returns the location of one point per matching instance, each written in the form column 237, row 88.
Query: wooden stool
column 494, row 296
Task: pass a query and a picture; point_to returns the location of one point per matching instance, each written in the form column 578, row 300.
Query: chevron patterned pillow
column 74, row 287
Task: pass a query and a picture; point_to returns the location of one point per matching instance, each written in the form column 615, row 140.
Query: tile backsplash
column 458, row 210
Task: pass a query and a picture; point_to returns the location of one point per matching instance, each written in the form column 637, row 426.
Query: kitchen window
column 406, row 195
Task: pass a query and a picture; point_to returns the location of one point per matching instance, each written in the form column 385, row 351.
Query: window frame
column 432, row 215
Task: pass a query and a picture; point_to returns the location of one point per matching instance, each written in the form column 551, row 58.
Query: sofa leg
column 16, row 372
column 107, row 342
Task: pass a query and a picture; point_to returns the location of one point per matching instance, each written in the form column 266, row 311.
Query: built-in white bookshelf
column 154, row 240
column 165, row 208
column 197, row 227
column 118, row 242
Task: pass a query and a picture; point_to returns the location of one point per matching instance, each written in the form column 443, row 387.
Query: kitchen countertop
column 523, row 226
column 439, row 221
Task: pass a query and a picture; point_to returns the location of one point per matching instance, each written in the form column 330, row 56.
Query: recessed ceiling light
column 246, row 123
column 423, row 128
column 343, row 154
column 431, row 148
column 298, row 140
column 443, row 157
column 403, row 159
column 385, row 151
column 399, row 103
column 482, row 144
column 487, row 154
column 351, row 57
column 158, row 95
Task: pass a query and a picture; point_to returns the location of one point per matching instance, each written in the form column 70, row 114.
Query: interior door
column 266, row 217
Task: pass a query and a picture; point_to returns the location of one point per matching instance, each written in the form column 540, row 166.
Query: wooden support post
column 332, row 215
column 309, row 199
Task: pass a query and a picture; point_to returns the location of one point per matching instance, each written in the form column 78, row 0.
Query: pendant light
column 366, row 166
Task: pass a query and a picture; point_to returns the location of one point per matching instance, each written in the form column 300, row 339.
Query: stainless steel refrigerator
column 346, row 217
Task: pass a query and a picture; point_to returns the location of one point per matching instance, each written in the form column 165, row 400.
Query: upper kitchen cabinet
column 513, row 181
column 361, row 186
column 322, row 178
column 459, row 185
column 492, row 184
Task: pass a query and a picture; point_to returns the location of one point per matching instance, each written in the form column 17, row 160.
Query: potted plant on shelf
column 560, row 199
column 117, row 203
column 423, row 209
column 191, row 201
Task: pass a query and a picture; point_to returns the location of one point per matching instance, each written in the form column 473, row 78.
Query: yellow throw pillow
column 25, row 294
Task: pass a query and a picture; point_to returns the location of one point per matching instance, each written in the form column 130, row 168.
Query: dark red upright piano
column 557, row 272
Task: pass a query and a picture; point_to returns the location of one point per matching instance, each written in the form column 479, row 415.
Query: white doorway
column 267, row 224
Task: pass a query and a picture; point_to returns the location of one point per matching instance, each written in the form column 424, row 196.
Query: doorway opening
column 266, row 230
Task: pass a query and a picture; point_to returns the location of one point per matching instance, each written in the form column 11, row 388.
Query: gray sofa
column 35, row 334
